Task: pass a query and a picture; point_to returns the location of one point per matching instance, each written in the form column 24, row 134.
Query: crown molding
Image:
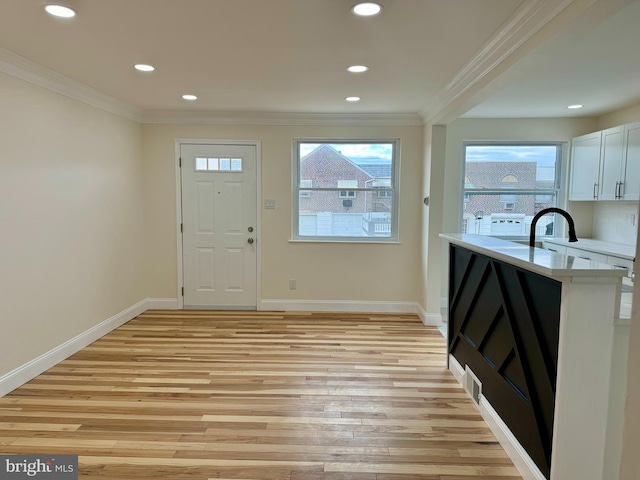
column 526, row 22
column 31, row 72
column 20, row 67
column 277, row 118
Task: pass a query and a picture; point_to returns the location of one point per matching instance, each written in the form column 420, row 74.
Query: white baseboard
column 21, row 375
column 457, row 370
column 518, row 455
column 163, row 304
column 432, row 319
column 341, row 306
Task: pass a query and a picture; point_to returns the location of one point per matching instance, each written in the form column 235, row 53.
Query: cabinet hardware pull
column 595, row 186
column 620, row 189
column 621, row 266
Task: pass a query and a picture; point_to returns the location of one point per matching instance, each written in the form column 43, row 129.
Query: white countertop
column 621, row 250
column 544, row 262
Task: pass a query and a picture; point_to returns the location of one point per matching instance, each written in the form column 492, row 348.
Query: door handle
column 250, row 241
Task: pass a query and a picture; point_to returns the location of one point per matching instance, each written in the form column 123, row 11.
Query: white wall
column 615, row 221
column 619, row 117
column 71, row 217
column 330, row 272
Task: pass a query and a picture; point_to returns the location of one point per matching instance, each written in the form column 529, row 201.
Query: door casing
column 258, row 236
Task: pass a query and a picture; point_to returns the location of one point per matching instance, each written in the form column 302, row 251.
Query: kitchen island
column 531, row 337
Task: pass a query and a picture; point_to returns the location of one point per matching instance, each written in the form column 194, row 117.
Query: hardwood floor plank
column 257, row 396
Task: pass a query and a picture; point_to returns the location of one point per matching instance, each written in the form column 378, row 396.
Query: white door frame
column 200, row 141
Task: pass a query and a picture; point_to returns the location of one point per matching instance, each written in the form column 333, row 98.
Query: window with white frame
column 303, row 185
column 345, row 190
column 344, row 184
column 208, row 164
column 507, row 184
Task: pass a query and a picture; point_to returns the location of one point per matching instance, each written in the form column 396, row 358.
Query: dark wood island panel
column 504, row 324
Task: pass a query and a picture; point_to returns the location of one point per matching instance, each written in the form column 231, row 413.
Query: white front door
column 219, row 226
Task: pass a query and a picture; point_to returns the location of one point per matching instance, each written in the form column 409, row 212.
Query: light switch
column 269, row 203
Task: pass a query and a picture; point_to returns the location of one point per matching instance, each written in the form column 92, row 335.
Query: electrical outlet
column 293, row 284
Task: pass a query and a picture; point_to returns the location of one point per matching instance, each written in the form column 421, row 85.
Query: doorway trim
column 178, row 182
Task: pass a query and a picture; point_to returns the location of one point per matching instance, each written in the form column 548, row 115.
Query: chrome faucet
column 572, row 229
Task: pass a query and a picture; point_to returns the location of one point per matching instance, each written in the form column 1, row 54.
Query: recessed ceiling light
column 61, row 11
column 367, row 9
column 358, row 68
column 352, row 99
column 188, row 96
column 574, row 107
column 143, row 67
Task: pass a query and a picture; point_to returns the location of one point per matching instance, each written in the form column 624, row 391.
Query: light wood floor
column 257, row 396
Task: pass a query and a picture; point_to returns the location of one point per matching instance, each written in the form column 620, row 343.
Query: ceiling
column 435, row 59
column 593, row 63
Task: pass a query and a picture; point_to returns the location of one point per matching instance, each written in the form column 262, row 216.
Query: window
column 345, row 190
column 347, row 184
column 305, row 184
column 218, row 164
column 509, row 182
column 466, row 198
column 530, row 172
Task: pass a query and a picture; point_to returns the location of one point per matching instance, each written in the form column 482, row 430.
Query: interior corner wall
column 71, row 215
column 324, row 271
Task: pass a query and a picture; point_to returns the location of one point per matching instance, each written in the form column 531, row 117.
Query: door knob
column 250, row 229
column 250, row 241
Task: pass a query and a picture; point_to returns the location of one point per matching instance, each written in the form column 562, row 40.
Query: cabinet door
column 554, row 247
column 587, row 255
column 611, row 170
column 631, row 185
column 585, row 163
column 621, row 263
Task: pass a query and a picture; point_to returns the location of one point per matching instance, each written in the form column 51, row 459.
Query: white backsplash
column 615, row 221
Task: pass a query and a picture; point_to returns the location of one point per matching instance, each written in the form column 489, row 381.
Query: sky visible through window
column 544, row 156
column 368, row 152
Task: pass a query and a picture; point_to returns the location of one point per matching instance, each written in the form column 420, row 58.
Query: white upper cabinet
column 605, row 165
column 585, row 167
column 630, row 189
column 611, row 168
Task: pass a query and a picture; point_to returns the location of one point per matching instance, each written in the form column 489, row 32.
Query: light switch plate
column 269, row 203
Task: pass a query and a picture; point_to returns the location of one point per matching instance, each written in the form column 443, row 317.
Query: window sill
column 365, row 242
